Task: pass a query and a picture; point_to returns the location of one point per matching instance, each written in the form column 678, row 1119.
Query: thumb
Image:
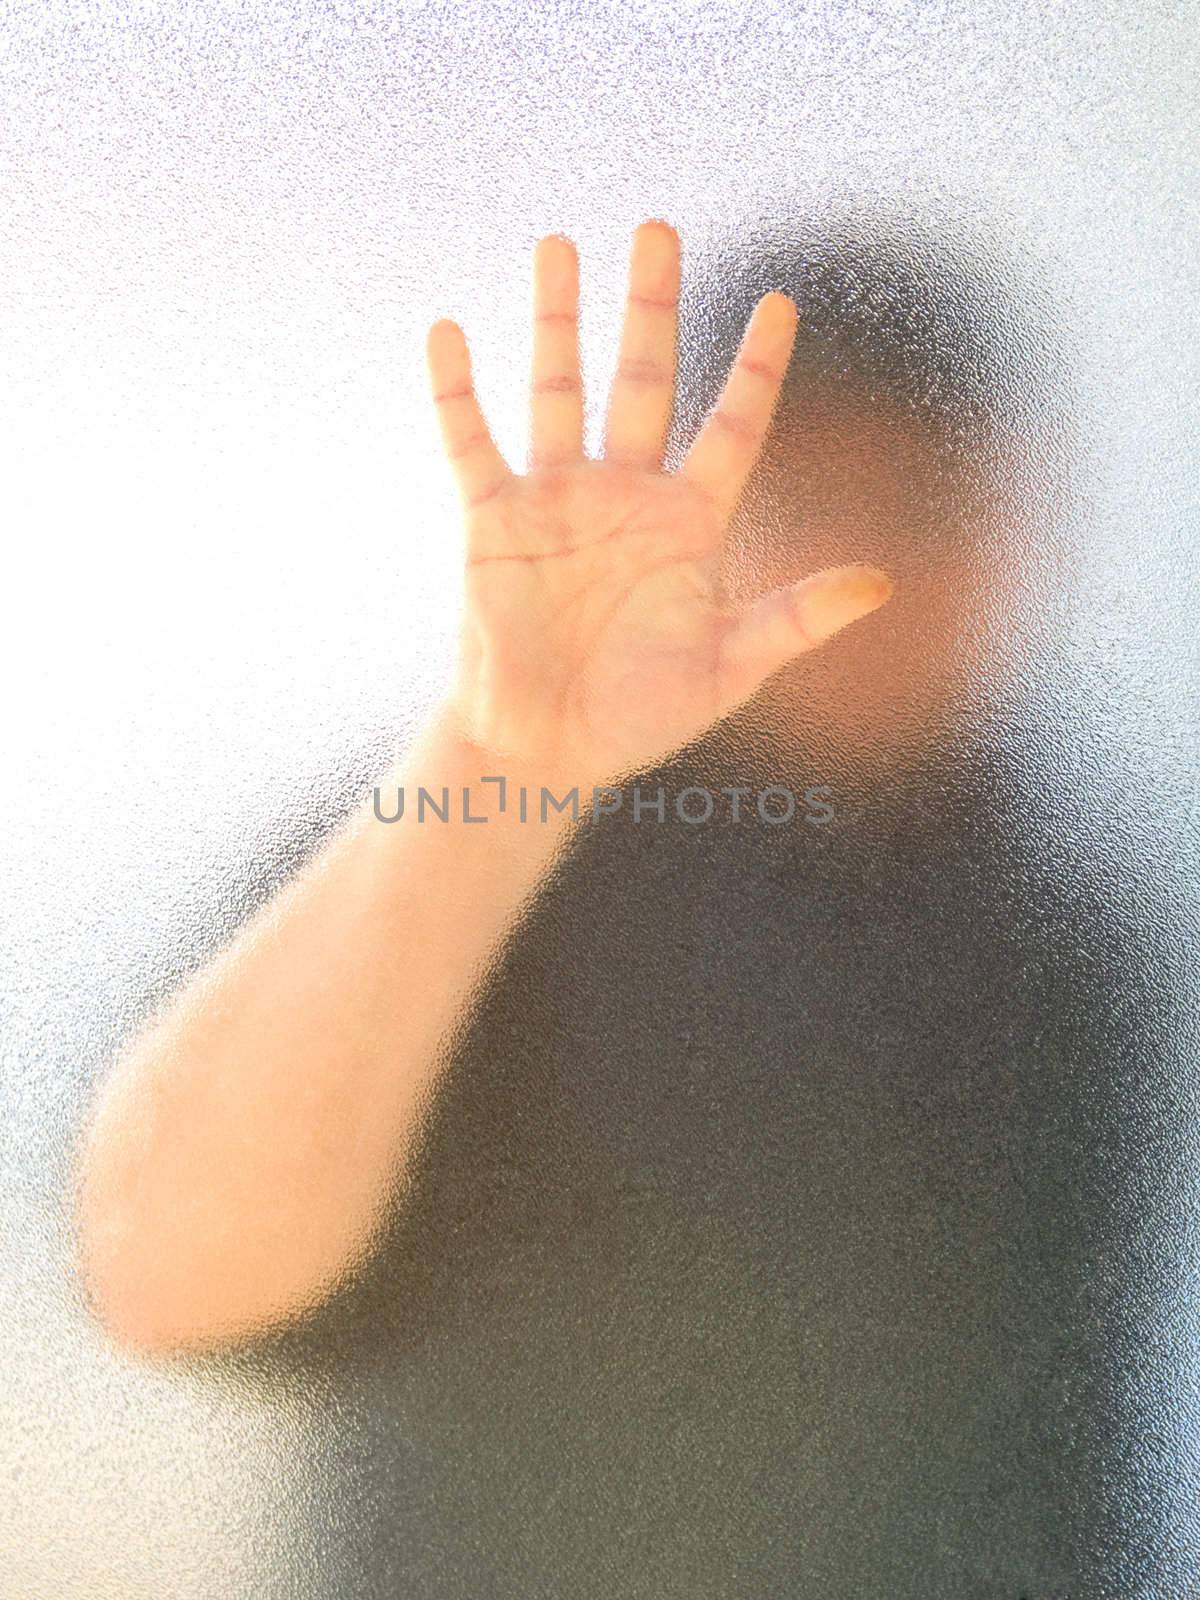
column 788, row 621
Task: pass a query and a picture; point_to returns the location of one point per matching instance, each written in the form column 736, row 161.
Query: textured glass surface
column 811, row 1212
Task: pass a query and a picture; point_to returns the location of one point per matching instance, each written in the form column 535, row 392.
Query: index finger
column 479, row 469
column 725, row 450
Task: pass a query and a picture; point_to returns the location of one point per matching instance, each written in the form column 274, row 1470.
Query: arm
column 244, row 1147
column 241, row 1152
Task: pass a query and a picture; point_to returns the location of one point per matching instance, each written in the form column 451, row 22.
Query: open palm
column 596, row 637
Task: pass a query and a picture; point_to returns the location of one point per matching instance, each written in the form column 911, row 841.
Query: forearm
column 245, row 1144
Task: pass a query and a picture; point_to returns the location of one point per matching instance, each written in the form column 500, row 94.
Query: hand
column 596, row 638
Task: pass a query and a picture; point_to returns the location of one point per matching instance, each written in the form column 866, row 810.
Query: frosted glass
column 811, row 1210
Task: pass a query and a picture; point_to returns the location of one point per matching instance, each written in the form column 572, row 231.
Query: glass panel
column 809, row 1207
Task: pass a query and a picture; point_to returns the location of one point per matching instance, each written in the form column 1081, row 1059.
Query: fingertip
column 550, row 242
column 841, row 596
column 875, row 581
column 660, row 225
column 443, row 335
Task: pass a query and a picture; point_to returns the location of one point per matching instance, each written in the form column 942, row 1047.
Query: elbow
column 121, row 1273
column 169, row 1279
column 137, row 1263
column 135, row 1259
column 137, row 1323
column 151, row 1308
column 128, row 1276
column 182, row 1252
column 155, row 1300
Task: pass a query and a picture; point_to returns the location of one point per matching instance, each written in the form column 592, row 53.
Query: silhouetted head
column 918, row 429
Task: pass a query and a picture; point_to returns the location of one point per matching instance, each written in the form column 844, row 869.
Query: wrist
column 547, row 779
column 468, row 784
